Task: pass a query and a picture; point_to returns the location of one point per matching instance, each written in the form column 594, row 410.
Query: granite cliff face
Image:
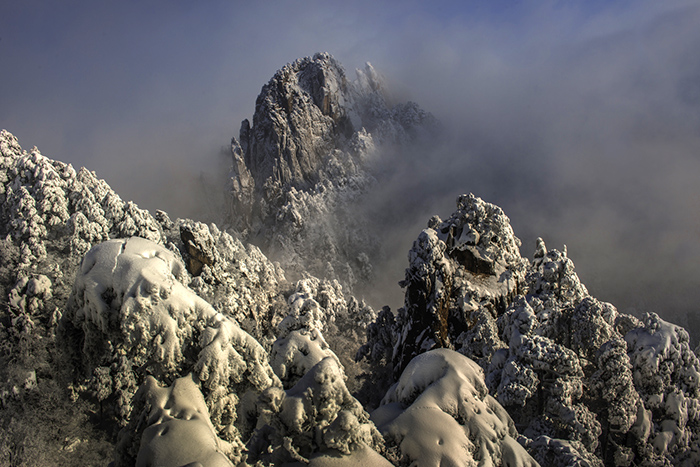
column 303, row 166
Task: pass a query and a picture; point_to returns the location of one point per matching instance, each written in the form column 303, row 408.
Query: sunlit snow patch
column 177, row 427
column 439, row 413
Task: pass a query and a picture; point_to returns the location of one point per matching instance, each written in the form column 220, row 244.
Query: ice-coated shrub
column 666, row 373
column 236, row 279
column 562, row 453
column 422, row 322
column 29, row 295
column 44, row 200
column 594, row 322
column 380, row 339
column 318, row 314
column 300, row 344
column 614, row 381
column 316, row 417
column 552, row 276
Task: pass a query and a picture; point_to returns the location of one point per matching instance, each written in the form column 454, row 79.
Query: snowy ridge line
column 190, row 345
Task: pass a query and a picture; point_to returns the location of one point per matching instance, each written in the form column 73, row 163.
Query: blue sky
column 581, row 119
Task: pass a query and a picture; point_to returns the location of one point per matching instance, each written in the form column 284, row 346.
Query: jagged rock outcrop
column 300, row 169
column 462, row 273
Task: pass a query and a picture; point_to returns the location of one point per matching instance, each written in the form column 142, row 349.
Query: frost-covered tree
column 170, row 426
column 131, row 313
column 315, row 419
column 236, row 279
column 666, row 374
column 300, row 344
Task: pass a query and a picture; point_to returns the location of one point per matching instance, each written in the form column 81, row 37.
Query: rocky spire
column 301, row 166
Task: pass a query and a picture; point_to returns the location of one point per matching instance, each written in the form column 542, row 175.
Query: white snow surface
column 439, row 413
column 178, row 430
column 129, row 302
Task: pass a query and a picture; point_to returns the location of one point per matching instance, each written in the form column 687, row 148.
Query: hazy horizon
column 580, row 119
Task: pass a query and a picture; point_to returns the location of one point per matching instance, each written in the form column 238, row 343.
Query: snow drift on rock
column 440, row 413
column 173, row 427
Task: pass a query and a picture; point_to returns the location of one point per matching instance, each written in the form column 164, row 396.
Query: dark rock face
column 199, row 246
column 460, row 271
column 300, row 117
column 300, row 114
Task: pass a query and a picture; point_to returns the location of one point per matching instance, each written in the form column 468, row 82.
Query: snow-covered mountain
column 130, row 337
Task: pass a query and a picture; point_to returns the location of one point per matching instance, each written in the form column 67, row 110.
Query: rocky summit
column 130, row 338
column 300, row 170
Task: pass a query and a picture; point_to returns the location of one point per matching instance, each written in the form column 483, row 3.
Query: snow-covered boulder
column 199, row 246
column 131, row 315
column 440, row 413
column 170, row 426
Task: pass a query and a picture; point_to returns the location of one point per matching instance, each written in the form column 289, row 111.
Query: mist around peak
column 535, row 249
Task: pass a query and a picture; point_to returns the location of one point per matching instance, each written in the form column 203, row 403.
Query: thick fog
column 580, row 119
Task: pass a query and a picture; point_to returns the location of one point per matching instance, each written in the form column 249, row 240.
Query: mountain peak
column 305, row 159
